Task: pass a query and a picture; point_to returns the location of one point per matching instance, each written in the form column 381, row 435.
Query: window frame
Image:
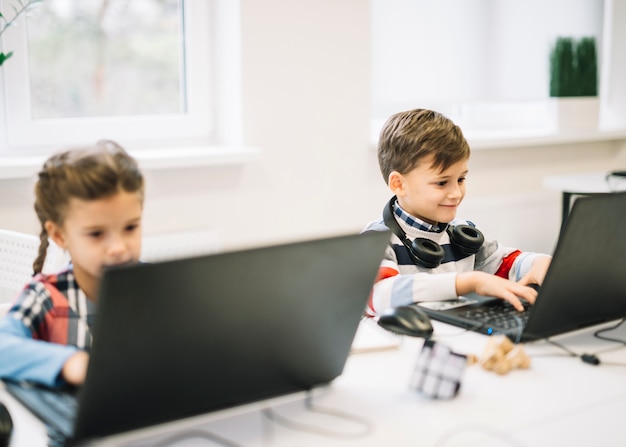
column 195, row 126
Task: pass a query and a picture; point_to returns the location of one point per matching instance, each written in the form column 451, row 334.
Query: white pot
column 575, row 113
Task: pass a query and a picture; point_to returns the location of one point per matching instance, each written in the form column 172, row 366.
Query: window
column 484, row 63
column 138, row 72
column 106, row 59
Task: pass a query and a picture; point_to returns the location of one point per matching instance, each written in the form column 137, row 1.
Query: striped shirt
column 400, row 281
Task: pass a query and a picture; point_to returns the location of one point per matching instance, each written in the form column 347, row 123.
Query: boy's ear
column 55, row 233
column 396, row 183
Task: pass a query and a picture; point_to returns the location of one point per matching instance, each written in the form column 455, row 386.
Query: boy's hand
column 74, row 370
column 537, row 271
column 491, row 285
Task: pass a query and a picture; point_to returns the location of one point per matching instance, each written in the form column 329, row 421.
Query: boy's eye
column 132, row 227
column 462, row 180
column 442, row 183
column 95, row 234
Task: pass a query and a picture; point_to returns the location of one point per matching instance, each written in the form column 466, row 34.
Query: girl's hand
column 74, row 370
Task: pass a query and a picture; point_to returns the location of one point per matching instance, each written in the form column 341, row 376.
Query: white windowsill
column 514, row 138
column 15, row 167
column 539, row 137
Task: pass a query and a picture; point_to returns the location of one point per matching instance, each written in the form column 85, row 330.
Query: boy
column 423, row 158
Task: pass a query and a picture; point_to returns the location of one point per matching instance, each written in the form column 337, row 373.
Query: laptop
column 185, row 337
column 585, row 284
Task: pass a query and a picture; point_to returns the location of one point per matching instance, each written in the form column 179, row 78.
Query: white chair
column 17, row 254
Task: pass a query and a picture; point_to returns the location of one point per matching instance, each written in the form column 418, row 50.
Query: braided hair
column 86, row 173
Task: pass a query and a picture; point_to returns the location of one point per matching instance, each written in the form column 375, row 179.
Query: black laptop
column 585, row 284
column 186, row 337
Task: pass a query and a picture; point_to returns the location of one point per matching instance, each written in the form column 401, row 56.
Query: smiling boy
column 433, row 255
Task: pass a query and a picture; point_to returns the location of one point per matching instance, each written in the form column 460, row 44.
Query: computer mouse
column 6, row 426
column 406, row 320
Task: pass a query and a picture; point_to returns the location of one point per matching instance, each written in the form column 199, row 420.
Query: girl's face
column 100, row 233
column 427, row 193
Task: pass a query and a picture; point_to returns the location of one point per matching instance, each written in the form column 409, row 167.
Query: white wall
column 306, row 104
column 455, row 51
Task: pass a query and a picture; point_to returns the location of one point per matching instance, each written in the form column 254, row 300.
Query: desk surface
column 558, row 401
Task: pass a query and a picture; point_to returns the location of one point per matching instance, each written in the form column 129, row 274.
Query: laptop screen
column 190, row 336
column 586, row 282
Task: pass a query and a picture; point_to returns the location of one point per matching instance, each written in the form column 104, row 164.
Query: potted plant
column 574, row 82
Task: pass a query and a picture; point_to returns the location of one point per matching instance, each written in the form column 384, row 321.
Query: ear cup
column 423, row 252
column 426, row 253
column 466, row 238
column 429, row 254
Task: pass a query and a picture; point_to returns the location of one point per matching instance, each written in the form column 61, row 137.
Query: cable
column 622, row 343
column 321, row 431
column 616, row 340
column 195, row 433
column 495, row 434
column 564, row 348
column 476, row 327
column 520, row 329
column 591, row 358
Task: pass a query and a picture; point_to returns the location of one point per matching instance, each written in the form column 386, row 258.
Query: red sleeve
column 55, row 325
column 507, row 263
column 383, row 273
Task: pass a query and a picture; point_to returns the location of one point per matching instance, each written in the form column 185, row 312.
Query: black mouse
column 6, row 426
column 406, row 320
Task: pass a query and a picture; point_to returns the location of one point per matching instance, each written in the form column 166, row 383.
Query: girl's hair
column 407, row 137
column 85, row 173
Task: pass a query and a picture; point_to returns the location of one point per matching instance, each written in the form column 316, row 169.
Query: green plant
column 574, row 67
column 18, row 7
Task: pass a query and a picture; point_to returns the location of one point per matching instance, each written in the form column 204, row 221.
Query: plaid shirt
column 55, row 309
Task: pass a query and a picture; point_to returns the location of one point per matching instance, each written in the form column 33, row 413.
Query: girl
column 89, row 201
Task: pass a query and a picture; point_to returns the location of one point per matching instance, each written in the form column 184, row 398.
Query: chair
column 17, row 253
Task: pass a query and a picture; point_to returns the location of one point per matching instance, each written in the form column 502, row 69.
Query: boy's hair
column 85, row 173
column 409, row 136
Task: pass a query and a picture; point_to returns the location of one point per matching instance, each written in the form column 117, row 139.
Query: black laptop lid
column 185, row 337
column 586, row 281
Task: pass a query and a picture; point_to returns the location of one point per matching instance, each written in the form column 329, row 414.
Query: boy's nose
column 456, row 191
column 117, row 246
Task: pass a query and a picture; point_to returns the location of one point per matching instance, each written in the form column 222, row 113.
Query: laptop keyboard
column 501, row 316
column 64, row 404
column 57, row 408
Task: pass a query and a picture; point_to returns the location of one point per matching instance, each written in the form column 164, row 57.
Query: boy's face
column 100, row 233
column 429, row 194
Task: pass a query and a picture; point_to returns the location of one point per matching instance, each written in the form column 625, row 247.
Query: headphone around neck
column 429, row 254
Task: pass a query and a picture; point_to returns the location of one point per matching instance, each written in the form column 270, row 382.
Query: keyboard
column 502, row 316
column 56, row 408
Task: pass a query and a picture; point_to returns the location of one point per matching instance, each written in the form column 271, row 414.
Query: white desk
column 558, row 401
